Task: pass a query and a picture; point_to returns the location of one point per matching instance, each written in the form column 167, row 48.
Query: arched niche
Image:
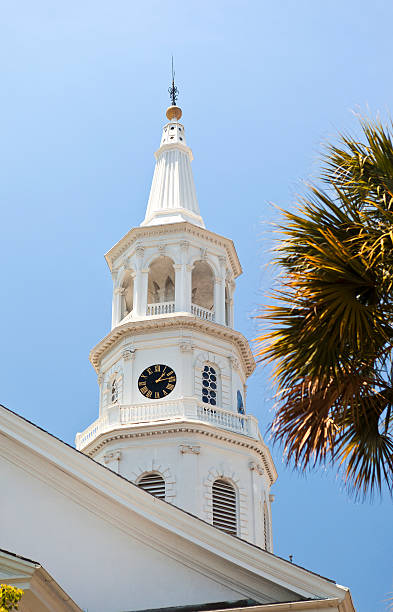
column 127, row 286
column 202, row 283
column 161, row 283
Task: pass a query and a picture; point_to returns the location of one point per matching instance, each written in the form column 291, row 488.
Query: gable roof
column 233, row 562
column 41, row 593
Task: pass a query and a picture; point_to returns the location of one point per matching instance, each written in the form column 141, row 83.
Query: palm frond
column 330, row 328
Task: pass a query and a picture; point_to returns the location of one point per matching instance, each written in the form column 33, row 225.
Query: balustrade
column 202, row 313
column 122, row 415
column 159, row 308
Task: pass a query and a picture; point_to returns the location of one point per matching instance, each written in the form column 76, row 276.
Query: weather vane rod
column 173, row 90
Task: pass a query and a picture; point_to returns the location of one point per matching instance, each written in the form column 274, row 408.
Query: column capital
column 189, row 449
column 139, row 251
column 235, row 362
column 253, row 465
column 128, row 354
column 125, row 262
column 186, row 346
column 114, row 456
column 203, row 254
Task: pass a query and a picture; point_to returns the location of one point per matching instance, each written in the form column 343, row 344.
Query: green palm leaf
column 330, row 328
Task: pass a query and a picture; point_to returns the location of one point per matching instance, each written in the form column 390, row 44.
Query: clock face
column 157, row 381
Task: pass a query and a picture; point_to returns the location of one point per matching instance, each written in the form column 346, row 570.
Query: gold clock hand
column 160, row 378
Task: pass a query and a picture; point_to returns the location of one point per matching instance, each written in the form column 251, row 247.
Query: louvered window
column 153, row 483
column 224, row 507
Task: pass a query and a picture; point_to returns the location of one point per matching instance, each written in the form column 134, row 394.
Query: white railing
column 159, row 308
column 94, row 430
column 188, row 409
column 202, row 313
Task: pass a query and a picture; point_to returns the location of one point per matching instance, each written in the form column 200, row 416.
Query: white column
column 128, row 361
column 187, row 271
column 114, row 297
column 138, row 291
column 100, row 381
column 219, row 293
column 184, row 286
column 116, row 306
column 252, row 467
column 187, row 372
column 133, row 276
column 179, row 289
column 219, row 300
column 143, row 295
column 232, row 286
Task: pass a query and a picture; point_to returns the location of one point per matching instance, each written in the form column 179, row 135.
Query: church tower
column 173, row 370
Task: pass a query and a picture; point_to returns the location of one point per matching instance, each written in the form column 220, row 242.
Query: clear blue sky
column 83, row 90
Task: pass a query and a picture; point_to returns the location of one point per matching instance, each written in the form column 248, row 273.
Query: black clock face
column 157, row 381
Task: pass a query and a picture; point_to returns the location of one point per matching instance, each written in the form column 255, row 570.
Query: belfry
column 172, row 372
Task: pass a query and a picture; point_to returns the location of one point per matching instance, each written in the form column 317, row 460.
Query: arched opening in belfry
column 127, row 294
column 203, row 286
column 227, row 305
column 161, row 285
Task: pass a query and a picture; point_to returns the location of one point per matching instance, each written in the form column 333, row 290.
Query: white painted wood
column 173, row 195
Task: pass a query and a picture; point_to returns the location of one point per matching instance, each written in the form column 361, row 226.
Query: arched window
column 114, row 392
column 161, row 284
column 127, row 295
column 210, row 385
column 203, row 286
column 153, row 483
column 240, row 404
column 224, row 506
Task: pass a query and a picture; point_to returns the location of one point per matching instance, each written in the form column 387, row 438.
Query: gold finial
column 173, row 112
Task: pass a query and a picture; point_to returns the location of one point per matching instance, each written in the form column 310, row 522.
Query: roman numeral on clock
column 157, row 381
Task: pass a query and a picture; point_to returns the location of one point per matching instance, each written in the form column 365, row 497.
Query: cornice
column 177, row 146
column 187, row 538
column 175, row 321
column 138, row 233
column 185, row 427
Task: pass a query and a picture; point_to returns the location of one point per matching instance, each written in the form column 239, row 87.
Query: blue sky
column 83, row 91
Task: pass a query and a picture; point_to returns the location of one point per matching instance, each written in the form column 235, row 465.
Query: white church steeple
column 173, row 196
column 173, row 371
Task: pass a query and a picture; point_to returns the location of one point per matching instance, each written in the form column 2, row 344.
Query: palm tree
column 330, row 331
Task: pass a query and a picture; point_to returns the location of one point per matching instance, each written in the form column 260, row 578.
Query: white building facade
column 173, row 371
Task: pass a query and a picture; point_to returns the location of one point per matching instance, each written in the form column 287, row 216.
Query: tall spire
column 172, row 195
column 173, row 90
